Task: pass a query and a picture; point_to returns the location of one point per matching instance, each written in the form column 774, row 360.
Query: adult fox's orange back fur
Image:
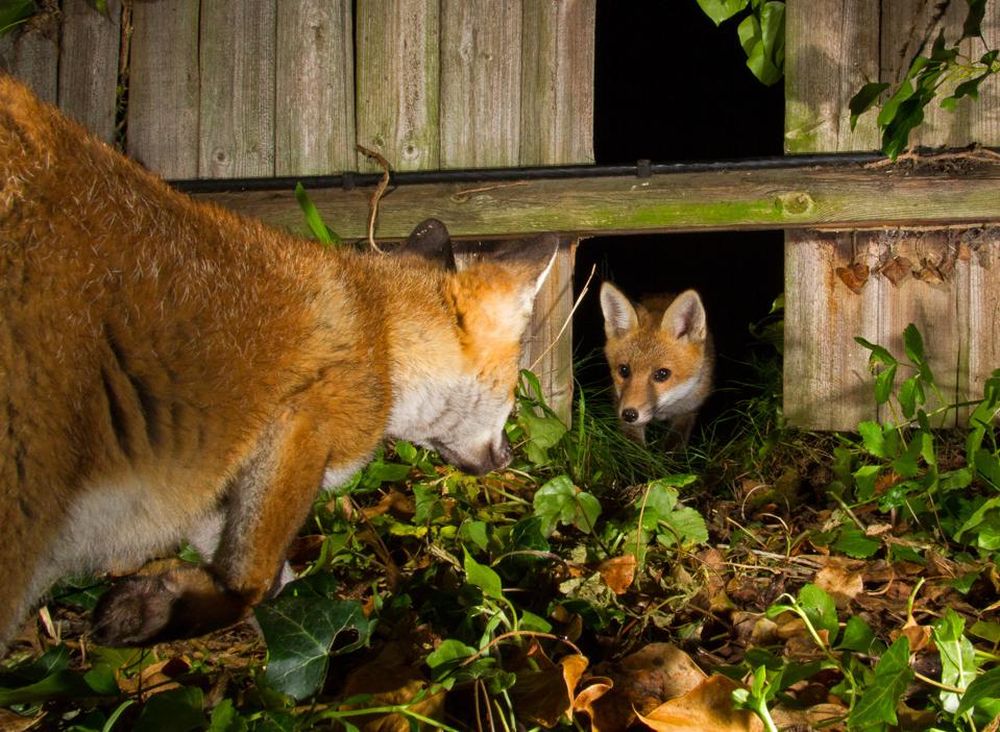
column 166, row 365
column 661, row 358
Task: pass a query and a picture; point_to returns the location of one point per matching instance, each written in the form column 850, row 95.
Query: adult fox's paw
column 181, row 603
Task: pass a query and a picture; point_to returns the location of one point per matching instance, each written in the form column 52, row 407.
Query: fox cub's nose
column 630, row 415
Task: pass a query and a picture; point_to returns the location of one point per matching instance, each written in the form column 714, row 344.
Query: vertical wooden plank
column 826, row 382
column 557, row 112
column 557, row 82
column 314, row 85
column 398, row 76
column 480, row 83
column 948, row 309
column 237, row 49
column 31, row 53
column 163, row 97
column 952, row 300
column 831, row 50
column 983, row 264
column 88, row 65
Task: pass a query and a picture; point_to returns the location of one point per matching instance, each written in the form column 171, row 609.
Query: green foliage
column 943, row 67
column 15, row 12
column 761, row 33
column 301, row 626
column 561, row 502
column 314, row 219
column 906, row 470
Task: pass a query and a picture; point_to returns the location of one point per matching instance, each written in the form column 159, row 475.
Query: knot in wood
column 794, row 202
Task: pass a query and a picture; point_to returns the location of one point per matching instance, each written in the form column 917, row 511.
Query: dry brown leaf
column 400, row 504
column 643, row 681
column 709, row 706
column 819, row 716
column 855, row 276
column 918, row 635
column 391, row 679
column 593, row 689
column 618, row 572
column 840, row 581
column 154, row 678
column 10, row 722
column 897, row 269
column 545, row 695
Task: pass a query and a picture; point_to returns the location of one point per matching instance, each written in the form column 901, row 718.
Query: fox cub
column 167, row 366
column 661, row 358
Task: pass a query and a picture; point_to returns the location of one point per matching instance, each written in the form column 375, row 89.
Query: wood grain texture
column 314, row 109
column 88, row 65
column 398, row 83
column 164, row 100
column 951, row 299
column 831, row 51
column 31, row 53
column 480, row 83
column 557, row 113
column 792, row 198
column 237, row 59
column 557, row 82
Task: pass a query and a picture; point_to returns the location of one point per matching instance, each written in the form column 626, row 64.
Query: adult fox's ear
column 533, row 259
column 619, row 315
column 429, row 239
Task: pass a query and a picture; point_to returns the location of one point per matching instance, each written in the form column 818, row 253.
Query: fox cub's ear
column 685, row 318
column 429, row 239
column 619, row 315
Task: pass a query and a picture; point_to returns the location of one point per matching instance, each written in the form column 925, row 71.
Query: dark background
column 671, row 86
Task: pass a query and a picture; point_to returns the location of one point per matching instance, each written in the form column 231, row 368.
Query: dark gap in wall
column 670, row 86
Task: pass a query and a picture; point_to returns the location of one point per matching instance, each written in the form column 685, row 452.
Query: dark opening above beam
column 858, row 191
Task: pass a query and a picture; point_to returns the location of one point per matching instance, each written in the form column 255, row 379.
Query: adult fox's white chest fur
column 166, row 363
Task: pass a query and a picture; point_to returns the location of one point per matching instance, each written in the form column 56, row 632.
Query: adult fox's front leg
column 266, row 504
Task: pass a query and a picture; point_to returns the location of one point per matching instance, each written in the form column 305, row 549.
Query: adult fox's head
column 456, row 388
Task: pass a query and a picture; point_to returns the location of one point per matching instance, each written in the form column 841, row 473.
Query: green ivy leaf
column 721, row 10
column 958, row 668
column 853, row 542
column 986, row 687
column 561, row 502
column 300, row 631
column 176, row 710
column 858, row 636
column 864, row 481
column 879, row 354
column 865, row 99
column 873, row 438
column 684, row 527
column 820, row 608
column 483, row 577
column 878, row 701
column 15, row 12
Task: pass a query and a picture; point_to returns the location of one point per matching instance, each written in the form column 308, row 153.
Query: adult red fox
column 166, row 364
column 661, row 358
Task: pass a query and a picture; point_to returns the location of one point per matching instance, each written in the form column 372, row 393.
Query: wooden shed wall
column 231, row 88
column 951, row 285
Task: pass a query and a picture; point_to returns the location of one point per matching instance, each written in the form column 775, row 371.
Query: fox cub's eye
column 661, row 374
column 624, row 371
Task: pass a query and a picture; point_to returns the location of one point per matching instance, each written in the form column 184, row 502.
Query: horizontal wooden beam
column 777, row 198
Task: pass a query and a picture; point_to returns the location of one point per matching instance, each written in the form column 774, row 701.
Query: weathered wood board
column 938, row 281
column 773, row 198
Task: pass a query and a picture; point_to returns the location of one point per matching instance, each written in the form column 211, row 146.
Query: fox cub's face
column 460, row 410
column 658, row 354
